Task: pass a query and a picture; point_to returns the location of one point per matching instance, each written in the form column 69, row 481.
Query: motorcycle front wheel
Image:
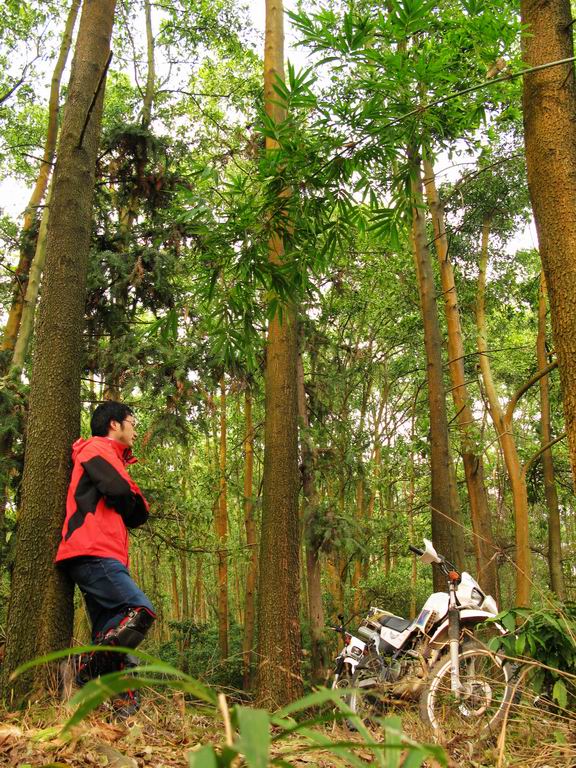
column 365, row 698
column 480, row 706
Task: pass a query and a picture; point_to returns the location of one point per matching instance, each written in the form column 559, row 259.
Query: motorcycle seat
column 396, row 623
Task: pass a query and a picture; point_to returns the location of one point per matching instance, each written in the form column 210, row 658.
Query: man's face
column 124, row 431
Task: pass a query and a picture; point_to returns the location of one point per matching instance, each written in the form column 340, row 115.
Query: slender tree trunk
column 32, row 291
column 175, row 597
column 313, row 564
column 186, row 613
column 31, row 213
column 40, row 618
column 446, row 528
column 151, row 73
column 358, row 562
column 484, row 547
column 549, row 102
column 279, row 647
column 250, row 524
column 554, row 528
column 199, row 605
column 222, row 531
column 503, row 428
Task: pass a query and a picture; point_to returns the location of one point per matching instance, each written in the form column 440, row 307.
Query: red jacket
column 103, row 501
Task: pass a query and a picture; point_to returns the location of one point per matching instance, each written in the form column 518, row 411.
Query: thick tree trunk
column 554, row 527
column 446, row 528
column 279, row 647
column 40, row 611
column 549, row 102
column 484, row 547
column 251, row 541
column 222, row 531
column 31, row 213
column 503, row 427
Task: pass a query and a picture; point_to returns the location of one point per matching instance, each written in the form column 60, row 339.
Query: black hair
column 105, row 413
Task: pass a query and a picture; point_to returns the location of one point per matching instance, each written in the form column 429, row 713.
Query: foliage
column 548, row 638
column 262, row 738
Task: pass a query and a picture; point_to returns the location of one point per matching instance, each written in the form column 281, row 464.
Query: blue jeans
column 108, row 589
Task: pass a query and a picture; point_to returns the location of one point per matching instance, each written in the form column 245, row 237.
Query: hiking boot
column 125, row 705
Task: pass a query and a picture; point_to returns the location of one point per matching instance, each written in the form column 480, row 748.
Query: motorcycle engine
column 403, row 676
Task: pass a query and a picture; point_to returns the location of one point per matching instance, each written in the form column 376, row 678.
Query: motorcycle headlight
column 356, row 651
column 477, row 596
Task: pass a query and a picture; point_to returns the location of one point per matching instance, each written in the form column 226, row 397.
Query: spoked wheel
column 343, row 683
column 478, row 709
column 365, row 698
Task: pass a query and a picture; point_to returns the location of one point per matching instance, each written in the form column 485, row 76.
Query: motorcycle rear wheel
column 486, row 695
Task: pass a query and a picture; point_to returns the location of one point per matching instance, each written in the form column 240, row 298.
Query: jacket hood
column 124, row 451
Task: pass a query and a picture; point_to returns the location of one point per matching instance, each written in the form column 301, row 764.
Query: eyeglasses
column 131, row 421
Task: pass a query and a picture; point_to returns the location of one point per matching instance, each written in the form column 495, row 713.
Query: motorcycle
column 440, row 658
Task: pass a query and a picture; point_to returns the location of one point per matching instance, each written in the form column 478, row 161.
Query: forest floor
column 167, row 728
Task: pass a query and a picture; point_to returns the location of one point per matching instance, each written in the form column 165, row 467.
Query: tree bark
column 549, row 103
column 484, row 547
column 313, row 563
column 279, row 680
column 186, row 612
column 554, row 527
column 446, row 528
column 175, row 597
column 503, row 427
column 222, row 531
column 31, row 213
column 250, row 525
column 40, row 610
column 32, row 291
column 151, row 72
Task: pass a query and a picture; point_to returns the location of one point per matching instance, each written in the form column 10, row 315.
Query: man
column 102, row 503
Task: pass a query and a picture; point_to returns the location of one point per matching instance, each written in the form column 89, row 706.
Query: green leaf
column 393, row 730
column 254, row 741
column 203, row 758
column 559, row 693
column 509, row 621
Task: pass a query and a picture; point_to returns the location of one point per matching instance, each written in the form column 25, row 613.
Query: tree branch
column 539, row 453
column 525, row 387
column 93, row 102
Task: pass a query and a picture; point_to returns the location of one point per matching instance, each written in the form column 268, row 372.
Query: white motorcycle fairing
column 467, row 615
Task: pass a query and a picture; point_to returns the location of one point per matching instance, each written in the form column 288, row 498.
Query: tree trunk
column 222, row 532
column 549, row 102
column 151, row 73
column 250, row 524
column 32, row 290
column 446, row 528
column 279, row 647
column 484, row 547
column 40, row 610
column 31, row 212
column 175, row 597
column 313, row 564
column 503, row 428
column 554, row 527
column 186, row 613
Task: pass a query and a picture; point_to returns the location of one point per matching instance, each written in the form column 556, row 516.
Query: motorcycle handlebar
column 415, row 550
